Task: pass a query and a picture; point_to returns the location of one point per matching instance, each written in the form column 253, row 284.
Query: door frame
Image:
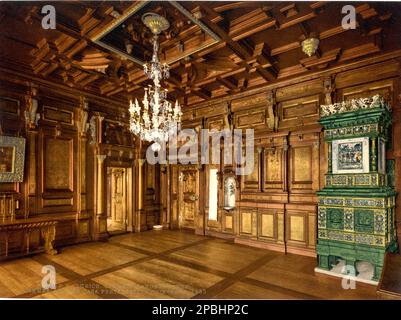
column 129, row 201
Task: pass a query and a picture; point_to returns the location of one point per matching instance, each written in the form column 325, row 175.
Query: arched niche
column 230, row 188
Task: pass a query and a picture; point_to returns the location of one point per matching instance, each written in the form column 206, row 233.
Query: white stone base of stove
column 365, row 272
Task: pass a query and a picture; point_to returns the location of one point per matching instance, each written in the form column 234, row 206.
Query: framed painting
column 351, row 155
column 12, row 158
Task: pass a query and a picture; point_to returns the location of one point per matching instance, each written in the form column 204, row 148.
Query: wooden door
column 118, row 199
column 188, row 197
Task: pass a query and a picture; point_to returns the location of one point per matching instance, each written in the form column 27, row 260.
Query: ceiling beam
column 223, row 6
column 240, row 51
column 202, row 93
column 227, row 83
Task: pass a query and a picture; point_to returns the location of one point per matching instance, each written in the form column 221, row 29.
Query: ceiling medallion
column 157, row 117
column 309, row 46
column 155, row 22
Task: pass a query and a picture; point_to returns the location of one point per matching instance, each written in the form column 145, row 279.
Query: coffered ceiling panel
column 214, row 48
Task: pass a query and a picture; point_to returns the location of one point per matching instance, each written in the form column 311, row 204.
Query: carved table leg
column 49, row 235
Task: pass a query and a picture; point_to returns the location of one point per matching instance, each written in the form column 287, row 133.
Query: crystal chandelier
column 158, row 117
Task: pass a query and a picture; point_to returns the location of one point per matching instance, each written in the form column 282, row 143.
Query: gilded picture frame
column 12, row 159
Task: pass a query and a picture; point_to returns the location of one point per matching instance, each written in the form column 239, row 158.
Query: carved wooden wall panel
column 297, row 226
column 383, row 88
column 213, row 110
column 262, row 226
column 247, row 225
column 387, row 88
column 368, row 74
column 215, row 123
column 58, row 164
column 53, row 161
column 299, row 112
column 10, row 106
column 152, row 194
column 174, row 196
column 249, row 102
column 66, row 232
column 150, row 178
column 268, row 225
column 61, row 159
column 251, row 182
column 229, row 222
column 57, row 169
column 32, row 175
column 301, row 168
column 83, row 175
column 304, row 163
column 301, row 228
column 255, row 118
column 58, row 115
column 273, row 169
column 298, row 90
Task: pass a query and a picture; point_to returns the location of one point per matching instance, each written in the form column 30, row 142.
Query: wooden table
column 19, row 237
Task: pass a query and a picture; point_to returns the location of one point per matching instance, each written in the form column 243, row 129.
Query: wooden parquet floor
column 172, row 264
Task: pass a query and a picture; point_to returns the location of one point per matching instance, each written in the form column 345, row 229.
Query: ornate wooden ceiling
column 214, row 48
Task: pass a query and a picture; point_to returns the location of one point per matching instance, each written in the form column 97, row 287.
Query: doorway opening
column 117, row 200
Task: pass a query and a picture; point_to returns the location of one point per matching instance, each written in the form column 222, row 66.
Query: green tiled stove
column 356, row 206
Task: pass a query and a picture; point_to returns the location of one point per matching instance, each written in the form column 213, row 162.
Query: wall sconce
column 309, row 46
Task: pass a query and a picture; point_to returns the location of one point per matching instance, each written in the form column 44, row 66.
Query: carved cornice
column 14, row 76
